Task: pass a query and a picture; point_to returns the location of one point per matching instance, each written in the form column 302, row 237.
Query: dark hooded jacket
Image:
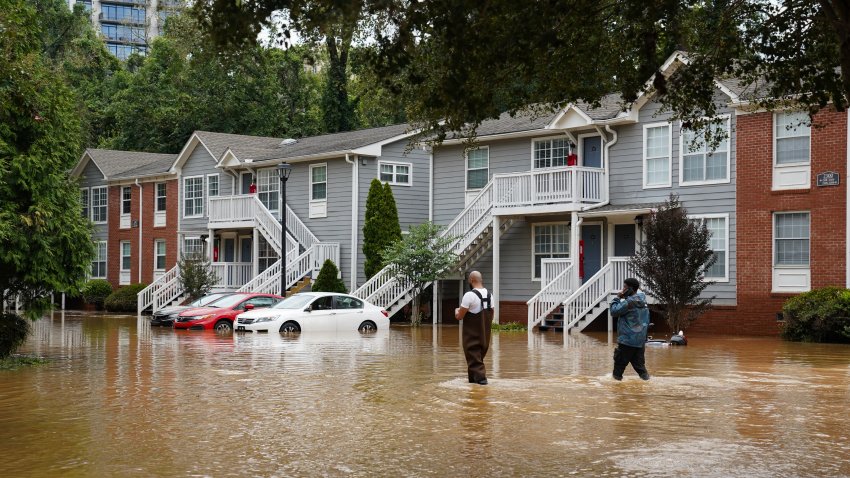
column 632, row 319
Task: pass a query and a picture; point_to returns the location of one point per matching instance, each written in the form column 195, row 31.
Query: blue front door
column 592, row 152
column 591, row 235
column 230, row 250
column 245, row 254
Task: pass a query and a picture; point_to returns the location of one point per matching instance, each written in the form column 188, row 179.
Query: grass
column 510, row 326
column 18, row 361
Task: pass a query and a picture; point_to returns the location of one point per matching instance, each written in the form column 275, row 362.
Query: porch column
column 496, row 255
column 435, row 300
column 255, row 251
column 575, row 237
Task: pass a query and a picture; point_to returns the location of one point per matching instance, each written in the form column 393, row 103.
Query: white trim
column 106, row 205
column 125, row 220
column 580, row 148
column 466, row 188
column 547, row 138
column 394, row 164
column 155, row 255
column 533, row 244
column 188, row 149
column 798, row 270
column 669, row 182
column 724, row 216
column 105, row 259
column 800, row 172
column 87, row 206
column 318, row 208
column 156, row 196
column 704, row 182
column 203, row 196
column 207, row 194
column 81, row 165
column 124, row 274
column 554, row 124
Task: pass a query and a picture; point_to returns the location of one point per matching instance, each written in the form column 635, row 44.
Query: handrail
column 297, row 228
column 551, row 296
column 258, row 284
column 586, row 297
column 145, row 297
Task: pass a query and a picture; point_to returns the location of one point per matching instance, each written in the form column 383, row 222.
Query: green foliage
column 196, row 276
column 509, row 327
column 328, row 279
column 672, row 261
column 13, row 333
column 820, row 315
column 125, row 299
column 380, row 227
column 14, row 363
column 96, row 291
column 44, row 244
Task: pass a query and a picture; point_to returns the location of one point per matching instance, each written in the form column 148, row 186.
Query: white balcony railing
column 573, row 184
column 232, row 275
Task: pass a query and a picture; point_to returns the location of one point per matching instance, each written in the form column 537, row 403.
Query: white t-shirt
column 471, row 302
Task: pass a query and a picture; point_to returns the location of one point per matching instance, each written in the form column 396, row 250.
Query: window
column 550, row 153
column 126, row 200
column 98, row 204
column 98, row 265
column 159, row 255
column 193, row 247
column 160, row 197
column 268, row 187
column 477, row 168
column 212, row 186
column 718, row 227
column 266, row 256
column 793, row 134
column 84, row 201
column 318, row 182
column 193, row 196
column 550, row 241
column 791, row 239
column 700, row 164
column 125, row 255
column 345, row 302
column 656, row 155
column 395, row 173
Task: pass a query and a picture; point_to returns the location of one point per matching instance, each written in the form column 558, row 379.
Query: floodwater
column 120, row 398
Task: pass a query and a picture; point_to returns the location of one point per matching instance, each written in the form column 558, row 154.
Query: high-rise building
column 128, row 26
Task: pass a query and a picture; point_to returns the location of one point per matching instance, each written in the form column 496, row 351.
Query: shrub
column 328, row 279
column 125, row 299
column 820, row 315
column 197, row 276
column 13, row 332
column 96, row 291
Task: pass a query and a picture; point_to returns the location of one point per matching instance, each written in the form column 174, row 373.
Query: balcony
column 551, row 190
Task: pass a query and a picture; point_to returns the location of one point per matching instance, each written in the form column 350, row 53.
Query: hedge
column 125, row 299
column 820, row 315
column 96, row 291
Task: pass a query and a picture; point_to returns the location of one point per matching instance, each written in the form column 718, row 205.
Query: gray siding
column 92, row 177
column 411, row 201
column 201, row 163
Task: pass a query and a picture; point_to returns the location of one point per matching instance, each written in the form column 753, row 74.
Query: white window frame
column 185, row 198
column 157, row 255
column 98, row 259
column 466, row 169
column 183, row 251
column 725, row 217
column 207, row 193
column 669, row 182
column 266, row 178
column 395, row 165
column 157, row 197
column 548, row 138
column 801, row 272
column 124, row 274
column 800, row 172
column 87, row 206
column 705, row 153
column 318, row 207
column 534, row 243
column 105, row 204
column 124, row 222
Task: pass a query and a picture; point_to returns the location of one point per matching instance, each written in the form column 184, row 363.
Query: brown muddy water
column 120, row 398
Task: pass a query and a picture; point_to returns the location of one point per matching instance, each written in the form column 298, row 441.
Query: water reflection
column 120, row 398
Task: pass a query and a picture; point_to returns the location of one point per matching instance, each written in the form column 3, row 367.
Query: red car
column 220, row 317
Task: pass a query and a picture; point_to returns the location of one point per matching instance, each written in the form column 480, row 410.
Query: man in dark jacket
column 632, row 323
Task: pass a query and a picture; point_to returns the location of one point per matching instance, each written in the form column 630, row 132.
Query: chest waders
column 476, row 338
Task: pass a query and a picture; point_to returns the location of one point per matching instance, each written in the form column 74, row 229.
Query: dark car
column 220, row 315
column 168, row 315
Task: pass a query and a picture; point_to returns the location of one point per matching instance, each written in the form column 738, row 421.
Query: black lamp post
column 283, row 170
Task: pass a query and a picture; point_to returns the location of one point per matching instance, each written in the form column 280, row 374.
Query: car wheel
column 290, row 328
column 223, row 326
column 367, row 326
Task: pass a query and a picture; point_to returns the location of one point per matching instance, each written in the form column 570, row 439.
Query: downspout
column 141, row 225
column 355, row 173
column 431, row 185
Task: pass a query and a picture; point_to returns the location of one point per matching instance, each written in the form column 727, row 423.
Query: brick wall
column 756, row 203
column 151, row 234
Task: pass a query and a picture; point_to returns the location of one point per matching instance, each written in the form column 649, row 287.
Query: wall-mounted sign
column 829, row 178
column 134, row 223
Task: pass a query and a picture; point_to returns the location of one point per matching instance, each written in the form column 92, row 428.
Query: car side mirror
column 249, row 306
column 309, row 308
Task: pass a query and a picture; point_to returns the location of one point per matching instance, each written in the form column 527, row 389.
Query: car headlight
column 264, row 319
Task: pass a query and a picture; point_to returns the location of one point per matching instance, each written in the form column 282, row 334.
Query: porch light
column 283, row 170
column 639, row 221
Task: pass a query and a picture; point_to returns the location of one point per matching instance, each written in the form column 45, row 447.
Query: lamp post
column 283, row 170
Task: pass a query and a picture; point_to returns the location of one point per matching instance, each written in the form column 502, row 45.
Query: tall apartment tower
column 128, row 26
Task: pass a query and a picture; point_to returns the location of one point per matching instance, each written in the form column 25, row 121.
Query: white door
column 349, row 313
column 322, row 316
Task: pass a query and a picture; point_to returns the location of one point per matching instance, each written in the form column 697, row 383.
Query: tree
column 459, row 63
column 672, row 261
column 196, row 276
column 420, row 258
column 380, row 227
column 328, row 279
column 45, row 243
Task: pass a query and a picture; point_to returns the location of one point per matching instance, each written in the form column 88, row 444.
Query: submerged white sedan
column 315, row 311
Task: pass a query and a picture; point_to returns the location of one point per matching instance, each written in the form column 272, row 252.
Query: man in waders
column 476, row 312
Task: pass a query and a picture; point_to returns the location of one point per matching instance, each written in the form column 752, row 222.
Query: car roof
column 325, row 294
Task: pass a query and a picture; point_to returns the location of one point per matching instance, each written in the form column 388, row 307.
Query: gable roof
column 115, row 164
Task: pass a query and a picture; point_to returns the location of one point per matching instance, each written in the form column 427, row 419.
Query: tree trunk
column 415, row 319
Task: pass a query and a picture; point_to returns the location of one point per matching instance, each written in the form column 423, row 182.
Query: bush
column 328, row 279
column 13, row 332
column 821, row 315
column 196, row 276
column 96, row 291
column 125, row 299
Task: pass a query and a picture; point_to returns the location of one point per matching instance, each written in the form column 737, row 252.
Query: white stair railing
column 268, row 225
column 263, row 283
column 551, row 296
column 168, row 292
column 299, row 231
column 231, row 275
column 145, row 298
column 588, row 296
column 297, row 268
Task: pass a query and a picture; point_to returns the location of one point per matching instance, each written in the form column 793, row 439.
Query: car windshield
column 208, row 300
column 294, row 302
column 230, row 300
